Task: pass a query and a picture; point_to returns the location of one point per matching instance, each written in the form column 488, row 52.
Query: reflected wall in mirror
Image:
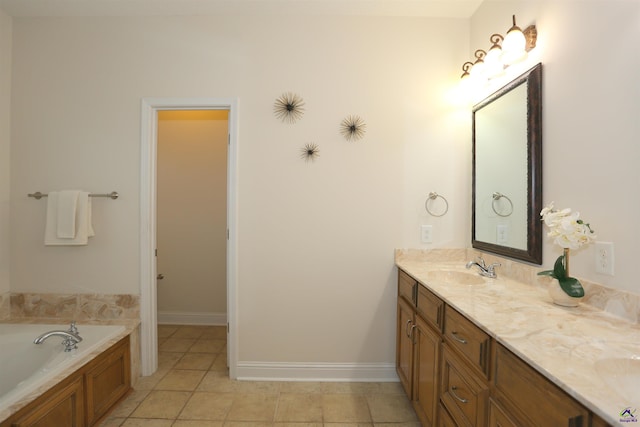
column 507, row 170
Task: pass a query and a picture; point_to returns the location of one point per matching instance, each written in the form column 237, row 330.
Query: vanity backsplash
column 616, row 302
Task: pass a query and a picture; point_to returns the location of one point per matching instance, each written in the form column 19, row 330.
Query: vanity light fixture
column 504, row 51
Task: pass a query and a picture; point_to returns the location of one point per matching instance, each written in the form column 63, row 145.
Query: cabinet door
column 108, row 380
column 519, row 388
column 64, row 408
column 404, row 344
column 425, row 372
column 498, row 416
column 462, row 391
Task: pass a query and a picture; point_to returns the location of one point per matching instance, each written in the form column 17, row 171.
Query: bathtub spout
column 70, row 341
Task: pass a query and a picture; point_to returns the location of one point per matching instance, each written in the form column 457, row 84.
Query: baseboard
column 272, row 371
column 183, row 318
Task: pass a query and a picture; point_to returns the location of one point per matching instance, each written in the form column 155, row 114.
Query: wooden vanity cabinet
column 529, row 399
column 418, row 346
column 457, row 375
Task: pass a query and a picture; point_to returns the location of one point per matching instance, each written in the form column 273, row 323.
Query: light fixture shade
column 493, row 62
column 513, row 45
column 478, row 71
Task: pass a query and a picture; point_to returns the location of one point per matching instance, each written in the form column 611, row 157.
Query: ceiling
column 423, row 8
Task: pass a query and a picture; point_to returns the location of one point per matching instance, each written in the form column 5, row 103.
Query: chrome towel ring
column 497, row 196
column 433, row 196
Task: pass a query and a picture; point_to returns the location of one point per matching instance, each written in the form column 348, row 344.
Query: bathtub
column 28, row 370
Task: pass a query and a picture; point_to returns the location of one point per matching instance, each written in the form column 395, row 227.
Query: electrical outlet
column 426, row 234
column 604, row 258
column 502, row 233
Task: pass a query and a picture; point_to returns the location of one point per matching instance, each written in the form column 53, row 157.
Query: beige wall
column 591, row 107
column 316, row 281
column 5, row 135
column 191, row 215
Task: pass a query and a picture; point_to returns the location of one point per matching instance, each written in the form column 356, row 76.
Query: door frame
column 148, row 271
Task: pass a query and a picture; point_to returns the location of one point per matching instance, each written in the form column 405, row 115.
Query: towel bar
column 38, row 195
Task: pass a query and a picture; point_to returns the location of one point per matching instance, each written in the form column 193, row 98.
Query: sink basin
column 622, row 375
column 455, row 276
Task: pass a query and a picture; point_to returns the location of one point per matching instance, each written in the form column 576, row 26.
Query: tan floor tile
column 167, row 360
column 150, row 381
column 301, row 387
column 179, row 345
column 296, row 407
column 189, row 332
column 253, row 407
column 112, row 422
column 207, row 406
column 128, row 405
column 165, row 331
column 207, row 346
column 200, row 361
column 146, row 422
column 215, row 333
column 220, row 362
column 389, row 388
column 180, row 380
column 250, row 424
column 218, row 381
column 347, row 408
column 258, row 387
column 348, row 387
column 350, row 425
column 162, row 404
column 391, row 408
column 407, row 424
column 298, row 424
column 197, row 423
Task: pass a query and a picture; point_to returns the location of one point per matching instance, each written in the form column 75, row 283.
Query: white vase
column 560, row 297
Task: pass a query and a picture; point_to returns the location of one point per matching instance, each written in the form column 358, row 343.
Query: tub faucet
column 71, row 337
column 486, row 271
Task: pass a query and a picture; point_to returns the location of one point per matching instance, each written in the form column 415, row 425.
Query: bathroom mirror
column 507, row 170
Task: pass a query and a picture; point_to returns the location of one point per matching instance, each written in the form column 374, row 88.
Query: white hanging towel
column 59, row 209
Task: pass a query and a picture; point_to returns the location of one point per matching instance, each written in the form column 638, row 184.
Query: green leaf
column 558, row 269
column 572, row 287
column 547, row 273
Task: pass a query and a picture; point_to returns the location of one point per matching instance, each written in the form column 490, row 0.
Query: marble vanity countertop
column 575, row 348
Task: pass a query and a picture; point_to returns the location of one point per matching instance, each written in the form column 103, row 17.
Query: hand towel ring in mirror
column 496, row 197
column 432, row 197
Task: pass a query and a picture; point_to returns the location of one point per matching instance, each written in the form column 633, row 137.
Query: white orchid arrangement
column 568, row 232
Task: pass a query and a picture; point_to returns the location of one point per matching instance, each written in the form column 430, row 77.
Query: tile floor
column 192, row 389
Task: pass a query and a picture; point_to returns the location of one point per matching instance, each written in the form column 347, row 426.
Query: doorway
column 191, row 213
column 148, row 223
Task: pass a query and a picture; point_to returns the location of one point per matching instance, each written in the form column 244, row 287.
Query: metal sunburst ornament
column 310, row 151
column 289, row 107
column 353, row 128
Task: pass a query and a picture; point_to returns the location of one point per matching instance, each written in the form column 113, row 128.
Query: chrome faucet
column 71, row 337
column 486, row 271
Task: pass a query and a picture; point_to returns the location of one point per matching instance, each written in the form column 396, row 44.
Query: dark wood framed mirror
column 507, row 170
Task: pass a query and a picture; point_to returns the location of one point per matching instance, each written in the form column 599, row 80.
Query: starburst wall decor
column 353, row 128
column 310, row 151
column 289, row 107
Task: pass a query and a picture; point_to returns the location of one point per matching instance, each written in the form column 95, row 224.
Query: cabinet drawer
column 469, row 340
column 407, row 287
column 463, row 392
column 431, row 308
column 521, row 388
